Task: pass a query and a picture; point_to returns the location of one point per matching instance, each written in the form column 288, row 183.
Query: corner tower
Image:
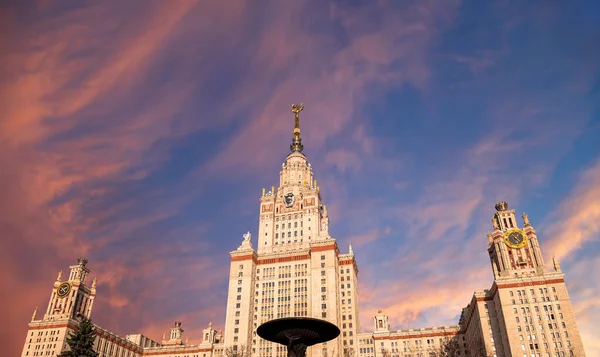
column 528, row 309
column 72, row 296
column 513, row 250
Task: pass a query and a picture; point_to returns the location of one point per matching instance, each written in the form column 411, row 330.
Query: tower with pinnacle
column 296, row 268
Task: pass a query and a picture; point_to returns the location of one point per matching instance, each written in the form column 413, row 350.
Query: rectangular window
column 322, row 257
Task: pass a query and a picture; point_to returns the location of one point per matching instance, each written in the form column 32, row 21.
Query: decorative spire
column 350, row 249
column 556, row 263
column 59, row 276
column 525, row 219
column 296, row 145
column 501, row 206
column 94, row 283
column 34, row 313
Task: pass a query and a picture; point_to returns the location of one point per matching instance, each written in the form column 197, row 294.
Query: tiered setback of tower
column 297, row 270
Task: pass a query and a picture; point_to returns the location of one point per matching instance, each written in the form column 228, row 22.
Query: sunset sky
column 139, row 134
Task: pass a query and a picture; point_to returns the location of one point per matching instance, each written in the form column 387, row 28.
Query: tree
column 348, row 352
column 479, row 349
column 81, row 341
column 237, row 351
column 385, row 352
column 449, row 348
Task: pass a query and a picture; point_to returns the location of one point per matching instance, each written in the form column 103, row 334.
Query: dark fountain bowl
column 297, row 333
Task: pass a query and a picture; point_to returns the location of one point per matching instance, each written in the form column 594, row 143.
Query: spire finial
column 555, row 262
column 296, row 145
column 526, row 219
column 34, row 313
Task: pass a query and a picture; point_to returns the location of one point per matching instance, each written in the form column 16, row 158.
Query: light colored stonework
column 297, row 269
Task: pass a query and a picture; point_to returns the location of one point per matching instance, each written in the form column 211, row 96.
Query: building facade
column 297, row 270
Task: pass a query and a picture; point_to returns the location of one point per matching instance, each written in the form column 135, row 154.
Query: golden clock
column 515, row 238
column 63, row 289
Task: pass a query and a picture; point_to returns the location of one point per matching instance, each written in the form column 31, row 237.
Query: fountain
column 298, row 333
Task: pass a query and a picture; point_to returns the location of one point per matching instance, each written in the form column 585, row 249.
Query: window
column 322, row 257
column 323, row 314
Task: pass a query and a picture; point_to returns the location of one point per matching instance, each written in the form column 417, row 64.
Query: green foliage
column 81, row 341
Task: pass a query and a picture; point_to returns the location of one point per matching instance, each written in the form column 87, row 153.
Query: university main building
column 297, row 269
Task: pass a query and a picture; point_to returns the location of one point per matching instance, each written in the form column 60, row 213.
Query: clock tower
column 72, row 296
column 513, row 250
column 291, row 215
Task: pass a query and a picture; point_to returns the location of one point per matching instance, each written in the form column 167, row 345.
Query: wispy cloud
column 140, row 135
column 576, row 221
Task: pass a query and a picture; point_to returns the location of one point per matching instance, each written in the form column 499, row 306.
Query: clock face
column 63, row 289
column 515, row 238
column 289, row 199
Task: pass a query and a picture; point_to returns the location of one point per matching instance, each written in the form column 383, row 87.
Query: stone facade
column 297, row 270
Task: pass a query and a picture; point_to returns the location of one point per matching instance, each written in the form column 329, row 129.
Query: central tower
column 291, row 215
column 297, row 269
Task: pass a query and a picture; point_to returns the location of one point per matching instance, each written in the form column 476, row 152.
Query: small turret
column 34, row 314
column 555, row 263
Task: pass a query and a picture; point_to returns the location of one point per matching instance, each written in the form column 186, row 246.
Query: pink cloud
column 56, row 89
column 576, row 221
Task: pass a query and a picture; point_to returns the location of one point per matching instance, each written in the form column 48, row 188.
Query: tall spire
column 296, row 145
